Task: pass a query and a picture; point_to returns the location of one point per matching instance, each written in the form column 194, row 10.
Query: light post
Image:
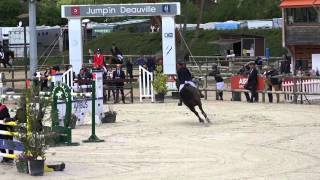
column 33, row 36
column 23, row 23
column 85, row 21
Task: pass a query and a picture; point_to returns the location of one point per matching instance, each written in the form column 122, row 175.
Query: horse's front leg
column 196, row 113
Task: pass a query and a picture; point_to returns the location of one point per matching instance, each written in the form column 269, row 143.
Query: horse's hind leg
column 204, row 114
column 196, row 113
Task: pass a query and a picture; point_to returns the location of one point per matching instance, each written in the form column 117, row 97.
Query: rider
column 185, row 77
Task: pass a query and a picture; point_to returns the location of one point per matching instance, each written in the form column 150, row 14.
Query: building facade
column 301, row 32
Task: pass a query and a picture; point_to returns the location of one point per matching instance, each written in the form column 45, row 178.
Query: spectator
column 129, row 66
column 272, row 83
column 140, row 61
column 44, row 81
column 109, row 76
column 285, row 65
column 82, row 78
column 118, row 74
column 98, row 60
column 259, row 62
column 244, row 70
column 151, row 65
column 252, row 83
column 219, row 81
column 117, row 56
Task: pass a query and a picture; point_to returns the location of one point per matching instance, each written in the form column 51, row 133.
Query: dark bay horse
column 6, row 59
column 191, row 98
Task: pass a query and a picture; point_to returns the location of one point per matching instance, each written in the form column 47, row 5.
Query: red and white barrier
column 308, row 86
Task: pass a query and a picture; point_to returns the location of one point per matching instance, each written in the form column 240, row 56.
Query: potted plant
column 160, row 84
column 37, row 134
column 22, row 159
column 109, row 116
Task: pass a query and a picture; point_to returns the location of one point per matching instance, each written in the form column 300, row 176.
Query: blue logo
column 166, row 8
column 168, row 35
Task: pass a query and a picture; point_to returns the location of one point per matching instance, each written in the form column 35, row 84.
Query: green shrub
column 160, row 81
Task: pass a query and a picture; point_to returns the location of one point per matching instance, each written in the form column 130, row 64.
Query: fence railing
column 145, row 84
column 308, row 86
column 67, row 78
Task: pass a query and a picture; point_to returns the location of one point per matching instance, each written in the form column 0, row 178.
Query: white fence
column 145, row 84
column 305, row 86
column 67, row 78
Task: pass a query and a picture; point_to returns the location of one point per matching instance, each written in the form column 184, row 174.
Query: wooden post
column 206, row 86
column 131, row 90
column 12, row 77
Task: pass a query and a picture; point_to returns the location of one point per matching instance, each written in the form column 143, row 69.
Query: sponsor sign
column 238, row 82
column 108, row 10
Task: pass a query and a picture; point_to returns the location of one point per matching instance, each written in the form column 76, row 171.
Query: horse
column 6, row 59
column 191, row 97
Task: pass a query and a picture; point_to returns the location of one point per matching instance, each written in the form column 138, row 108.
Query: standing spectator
column 109, row 76
column 129, row 66
column 118, row 74
column 285, row 65
column 219, row 81
column 117, row 56
column 252, row 83
column 272, row 83
column 44, row 80
column 151, row 64
column 140, row 61
column 98, row 60
column 259, row 62
column 244, row 70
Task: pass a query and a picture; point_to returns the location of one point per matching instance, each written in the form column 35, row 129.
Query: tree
column 9, row 12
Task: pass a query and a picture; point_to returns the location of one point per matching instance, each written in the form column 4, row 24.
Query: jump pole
column 93, row 137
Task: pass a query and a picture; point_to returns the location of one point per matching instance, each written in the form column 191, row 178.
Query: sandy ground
column 164, row 141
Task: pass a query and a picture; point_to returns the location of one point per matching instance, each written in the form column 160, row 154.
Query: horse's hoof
column 201, row 121
column 208, row 120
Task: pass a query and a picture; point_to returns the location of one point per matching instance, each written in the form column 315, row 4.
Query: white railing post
column 145, row 84
column 152, row 93
column 140, row 83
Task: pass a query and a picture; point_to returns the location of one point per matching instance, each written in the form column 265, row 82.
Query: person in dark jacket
column 129, row 66
column 219, row 81
column 252, row 83
column 119, row 74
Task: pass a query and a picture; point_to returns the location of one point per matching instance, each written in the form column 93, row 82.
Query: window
column 301, row 15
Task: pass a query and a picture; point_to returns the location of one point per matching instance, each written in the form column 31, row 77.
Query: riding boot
column 221, row 95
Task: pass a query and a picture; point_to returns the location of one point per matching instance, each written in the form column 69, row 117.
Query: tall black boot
column 221, row 95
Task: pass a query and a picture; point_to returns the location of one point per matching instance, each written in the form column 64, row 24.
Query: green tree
column 9, row 12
